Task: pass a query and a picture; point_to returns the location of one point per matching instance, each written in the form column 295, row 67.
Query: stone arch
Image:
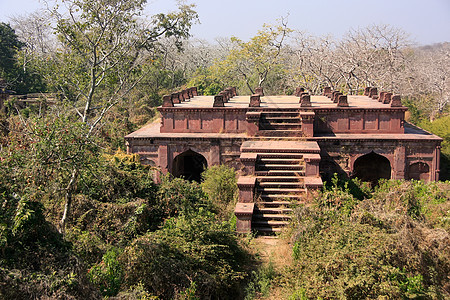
column 189, row 165
column 372, row 167
column 419, row 171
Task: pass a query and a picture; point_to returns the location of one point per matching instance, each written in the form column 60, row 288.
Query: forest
column 82, row 219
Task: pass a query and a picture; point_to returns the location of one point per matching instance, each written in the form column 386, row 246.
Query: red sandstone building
column 282, row 146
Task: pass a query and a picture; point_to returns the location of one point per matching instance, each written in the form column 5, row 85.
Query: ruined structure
column 283, row 146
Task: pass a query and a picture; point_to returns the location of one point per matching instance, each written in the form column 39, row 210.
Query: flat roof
column 282, row 102
column 412, row 132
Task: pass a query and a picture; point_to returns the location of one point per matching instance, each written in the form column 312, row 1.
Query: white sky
column 427, row 21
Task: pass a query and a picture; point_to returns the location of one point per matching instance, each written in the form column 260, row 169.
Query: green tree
column 104, row 45
column 9, row 46
column 255, row 61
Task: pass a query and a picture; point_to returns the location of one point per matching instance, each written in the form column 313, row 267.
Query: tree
column 9, row 45
column 104, row 46
column 255, row 61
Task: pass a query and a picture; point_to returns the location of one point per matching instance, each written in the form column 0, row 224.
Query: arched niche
column 372, row 167
column 189, row 165
column 419, row 171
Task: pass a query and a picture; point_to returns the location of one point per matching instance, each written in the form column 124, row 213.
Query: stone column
column 398, row 167
column 244, row 214
column 327, row 91
column 255, row 100
column 342, row 101
column 253, row 119
column 218, row 101
column 396, row 101
column 305, row 100
column 167, row 101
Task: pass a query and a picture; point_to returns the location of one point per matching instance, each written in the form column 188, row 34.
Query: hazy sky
column 427, row 21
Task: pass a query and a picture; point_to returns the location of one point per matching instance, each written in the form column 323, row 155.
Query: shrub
column 220, row 185
column 107, row 275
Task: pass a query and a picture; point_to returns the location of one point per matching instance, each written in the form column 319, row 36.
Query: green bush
column 219, row 183
column 196, row 248
column 383, row 246
column 108, row 274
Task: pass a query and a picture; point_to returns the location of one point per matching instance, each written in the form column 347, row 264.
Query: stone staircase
column 279, row 168
column 280, row 124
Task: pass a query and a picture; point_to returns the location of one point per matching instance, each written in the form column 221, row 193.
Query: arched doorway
column 372, row 167
column 189, row 165
column 419, row 171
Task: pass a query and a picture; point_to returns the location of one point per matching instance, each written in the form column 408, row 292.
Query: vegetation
column 80, row 219
column 392, row 244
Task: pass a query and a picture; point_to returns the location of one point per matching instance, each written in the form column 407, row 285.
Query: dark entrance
column 189, row 165
column 419, row 171
column 372, row 167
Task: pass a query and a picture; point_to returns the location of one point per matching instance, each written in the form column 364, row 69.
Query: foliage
column 107, row 275
column 190, row 249
column 9, row 46
column 260, row 282
column 220, row 185
column 389, row 245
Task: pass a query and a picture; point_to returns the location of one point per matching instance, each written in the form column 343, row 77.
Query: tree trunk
column 68, row 201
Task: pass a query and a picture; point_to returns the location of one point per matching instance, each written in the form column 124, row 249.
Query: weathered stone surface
column 387, row 98
column 305, row 100
column 175, row 99
column 255, row 100
column 373, row 92
column 342, row 101
column 167, row 101
column 396, row 101
column 327, row 91
column 194, row 91
column 367, row 91
column 218, row 101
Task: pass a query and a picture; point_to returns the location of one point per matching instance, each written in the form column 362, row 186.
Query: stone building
column 282, row 146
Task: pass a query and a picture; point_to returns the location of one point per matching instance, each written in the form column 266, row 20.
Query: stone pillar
column 218, row 101
column 336, row 97
column 342, row 101
column 246, row 186
column 387, row 98
column 230, row 92
column 381, row 97
column 167, row 101
column 248, row 159
column 244, row 214
column 327, row 91
column 185, row 94
column 215, row 152
column 367, row 91
column 305, row 100
column 373, row 92
column 255, row 100
column 163, row 158
column 396, row 101
column 194, row 91
column 398, row 168
column 224, row 96
column 253, row 119
column 307, row 123
column 260, row 91
column 312, row 164
column 175, row 98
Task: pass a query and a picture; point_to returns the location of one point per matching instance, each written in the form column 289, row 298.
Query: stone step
column 281, row 184
column 260, row 173
column 281, row 160
column 274, row 203
column 269, row 178
column 280, row 198
column 278, row 127
column 271, row 223
column 280, row 133
column 277, row 167
column 272, row 146
column 271, row 217
column 279, row 117
column 286, row 191
column 262, row 155
column 266, row 230
column 273, row 210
